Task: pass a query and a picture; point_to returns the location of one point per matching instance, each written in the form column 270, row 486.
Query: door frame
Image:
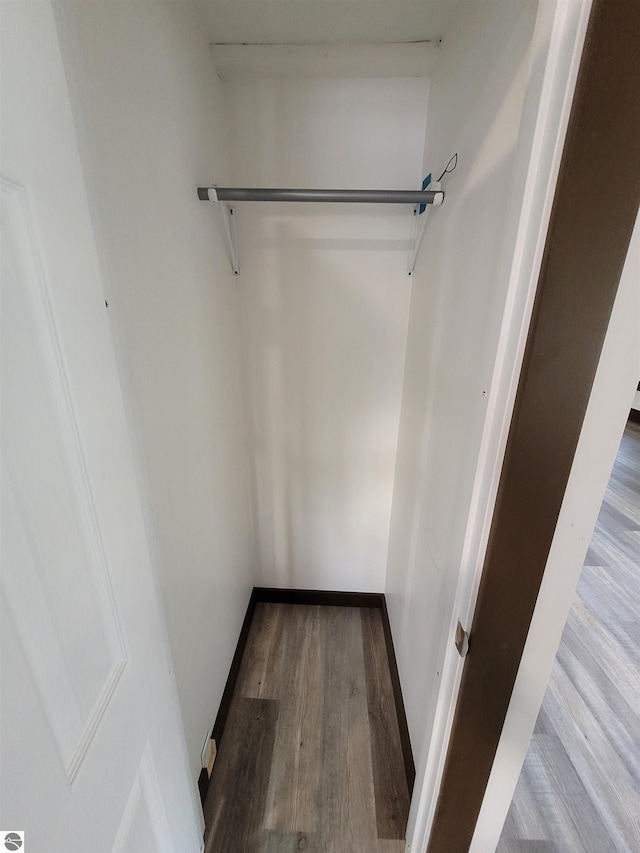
column 584, row 254
column 557, row 44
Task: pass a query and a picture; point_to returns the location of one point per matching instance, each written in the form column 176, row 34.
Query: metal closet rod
column 365, row 196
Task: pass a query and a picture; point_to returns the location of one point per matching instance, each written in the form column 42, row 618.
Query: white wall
column 476, row 105
column 151, row 117
column 325, row 300
column 606, row 415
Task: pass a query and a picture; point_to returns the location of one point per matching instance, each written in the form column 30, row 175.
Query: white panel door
column 93, row 753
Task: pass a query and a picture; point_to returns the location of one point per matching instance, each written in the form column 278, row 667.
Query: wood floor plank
column 386, row 845
column 265, row 637
column 627, row 478
column 603, row 698
column 592, row 559
column 612, row 789
column 608, row 606
column 613, row 521
column 580, row 821
column 621, row 497
column 548, row 797
column 622, row 554
column 594, row 639
column 288, row 842
column 509, row 830
column 389, row 780
column 234, row 808
column 634, row 536
column 544, row 726
column 520, row 846
column 527, row 811
column 347, row 806
column 601, row 654
column 296, row 678
column 586, row 782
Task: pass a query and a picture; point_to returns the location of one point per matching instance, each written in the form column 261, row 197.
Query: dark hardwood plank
column 389, row 780
column 296, row 679
column 347, row 808
column 323, row 768
column 389, row 845
column 265, row 638
column 367, row 600
column 235, row 804
column 288, row 842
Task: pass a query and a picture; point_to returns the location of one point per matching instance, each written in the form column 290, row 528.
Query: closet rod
column 435, row 197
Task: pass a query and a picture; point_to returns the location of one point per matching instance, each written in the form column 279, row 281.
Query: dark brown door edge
column 634, row 414
column 592, row 219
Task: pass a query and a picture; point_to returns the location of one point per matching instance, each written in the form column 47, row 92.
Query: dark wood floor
column 579, row 789
column 311, row 756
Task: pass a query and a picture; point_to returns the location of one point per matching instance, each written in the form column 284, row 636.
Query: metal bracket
column 462, row 640
column 227, row 215
column 420, row 217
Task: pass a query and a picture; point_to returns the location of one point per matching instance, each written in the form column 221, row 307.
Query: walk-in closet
column 269, row 269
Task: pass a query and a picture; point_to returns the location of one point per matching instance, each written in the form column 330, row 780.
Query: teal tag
column 425, row 184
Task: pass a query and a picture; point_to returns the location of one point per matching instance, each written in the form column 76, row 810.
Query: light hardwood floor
column 311, row 756
column 579, row 789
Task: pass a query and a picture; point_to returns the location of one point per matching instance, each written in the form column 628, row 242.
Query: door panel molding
column 76, row 675
column 144, row 806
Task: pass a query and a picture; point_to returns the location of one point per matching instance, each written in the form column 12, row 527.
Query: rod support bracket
column 227, row 218
column 420, row 219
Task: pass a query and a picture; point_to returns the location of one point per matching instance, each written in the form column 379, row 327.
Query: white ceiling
column 325, row 21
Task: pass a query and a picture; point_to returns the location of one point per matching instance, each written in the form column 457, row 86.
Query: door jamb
column 558, row 37
column 583, row 260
